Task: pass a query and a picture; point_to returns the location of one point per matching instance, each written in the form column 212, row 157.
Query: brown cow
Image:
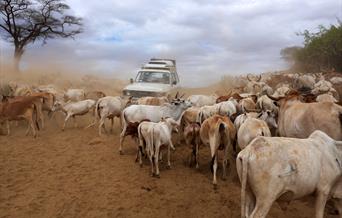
column 192, row 138
column 20, row 109
column 219, row 133
column 297, row 119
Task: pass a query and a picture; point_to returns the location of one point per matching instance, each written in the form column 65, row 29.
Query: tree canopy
column 25, row 21
column 322, row 50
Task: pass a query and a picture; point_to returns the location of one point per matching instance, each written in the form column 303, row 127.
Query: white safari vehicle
column 156, row 78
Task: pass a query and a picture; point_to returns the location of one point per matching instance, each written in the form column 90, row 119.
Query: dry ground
column 77, row 174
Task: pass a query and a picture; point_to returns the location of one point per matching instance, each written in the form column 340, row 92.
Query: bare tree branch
column 26, row 21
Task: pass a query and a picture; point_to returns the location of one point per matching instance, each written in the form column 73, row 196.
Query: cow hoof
column 168, row 167
column 141, row 165
column 224, row 178
column 215, row 186
column 121, row 152
column 157, row 176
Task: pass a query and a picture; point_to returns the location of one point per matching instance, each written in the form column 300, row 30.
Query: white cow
column 250, row 129
column 202, row 100
column 284, row 169
column 74, row 95
column 152, row 136
column 327, row 97
column 73, row 109
column 336, row 80
column 108, row 107
column 138, row 113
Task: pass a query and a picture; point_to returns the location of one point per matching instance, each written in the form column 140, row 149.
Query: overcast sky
column 208, row 38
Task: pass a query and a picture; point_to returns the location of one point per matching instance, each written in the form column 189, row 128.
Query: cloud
column 207, row 38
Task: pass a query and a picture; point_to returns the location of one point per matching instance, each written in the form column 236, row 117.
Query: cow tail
column 212, row 163
column 97, row 111
column 35, row 116
column 244, row 177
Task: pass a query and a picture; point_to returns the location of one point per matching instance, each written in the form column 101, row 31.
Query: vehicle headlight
column 126, row 92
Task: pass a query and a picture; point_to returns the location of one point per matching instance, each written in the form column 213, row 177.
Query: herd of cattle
column 286, row 141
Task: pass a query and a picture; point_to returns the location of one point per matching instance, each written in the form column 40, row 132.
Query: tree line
column 321, row 52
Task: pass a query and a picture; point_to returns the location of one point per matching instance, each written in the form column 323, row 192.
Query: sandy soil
column 77, row 174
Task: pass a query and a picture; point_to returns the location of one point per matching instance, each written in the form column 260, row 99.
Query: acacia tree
column 24, row 22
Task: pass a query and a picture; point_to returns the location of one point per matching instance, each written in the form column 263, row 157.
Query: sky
column 208, row 38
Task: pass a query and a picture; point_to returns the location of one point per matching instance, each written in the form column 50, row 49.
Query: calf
column 219, row 133
column 283, row 169
column 73, row 109
column 250, row 129
column 156, row 135
column 25, row 108
column 74, row 95
column 192, row 138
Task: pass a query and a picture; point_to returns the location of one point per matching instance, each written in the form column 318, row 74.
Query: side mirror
column 131, row 80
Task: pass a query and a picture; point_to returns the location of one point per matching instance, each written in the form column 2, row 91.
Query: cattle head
column 57, row 106
column 270, row 118
column 171, row 123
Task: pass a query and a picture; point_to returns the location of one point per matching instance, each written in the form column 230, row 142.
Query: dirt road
column 77, row 174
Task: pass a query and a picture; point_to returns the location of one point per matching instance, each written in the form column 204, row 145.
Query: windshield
column 153, row 77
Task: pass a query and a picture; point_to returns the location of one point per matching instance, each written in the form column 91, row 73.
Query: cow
column 336, row 80
column 233, row 95
column 202, row 100
column 327, row 97
column 74, row 95
column 21, row 109
column 155, row 136
column 283, row 169
column 219, row 133
column 95, row 95
column 73, row 109
column 250, row 129
column 297, row 119
column 192, row 138
column 137, row 113
column 108, row 107
column 265, row 103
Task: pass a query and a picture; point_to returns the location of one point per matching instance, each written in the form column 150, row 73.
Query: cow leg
column 321, row 200
column 262, row 207
column 8, row 127
column 65, row 121
column 28, row 128
column 168, row 157
column 101, row 125
column 196, row 156
column 151, row 157
column 156, row 162
column 214, row 171
column 225, row 163
column 122, row 137
column 112, row 124
column 41, row 115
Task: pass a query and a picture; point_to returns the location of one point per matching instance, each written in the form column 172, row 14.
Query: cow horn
column 273, row 98
column 182, row 95
column 259, row 78
column 176, row 95
column 248, row 78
